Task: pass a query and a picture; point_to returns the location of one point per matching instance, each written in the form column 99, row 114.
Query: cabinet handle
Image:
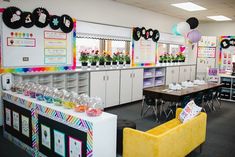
column 130, row 75
column 133, row 74
column 107, row 78
column 104, row 78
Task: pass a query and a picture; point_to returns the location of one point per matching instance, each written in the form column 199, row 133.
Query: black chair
column 208, row 99
column 217, row 96
column 150, row 102
column 199, row 101
column 121, row 124
column 185, row 101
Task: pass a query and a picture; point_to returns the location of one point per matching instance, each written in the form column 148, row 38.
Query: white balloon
column 183, row 28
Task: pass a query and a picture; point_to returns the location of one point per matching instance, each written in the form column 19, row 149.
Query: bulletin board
column 144, row 52
column 226, row 52
column 37, row 49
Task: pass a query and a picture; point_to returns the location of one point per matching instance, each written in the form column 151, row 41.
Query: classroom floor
column 220, row 131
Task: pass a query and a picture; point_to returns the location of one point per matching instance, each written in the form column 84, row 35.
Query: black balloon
column 12, row 17
column 193, row 22
column 28, row 19
column 136, row 33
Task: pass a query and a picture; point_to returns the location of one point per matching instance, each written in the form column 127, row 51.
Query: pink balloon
column 194, row 36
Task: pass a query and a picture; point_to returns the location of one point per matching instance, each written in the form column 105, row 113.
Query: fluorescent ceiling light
column 219, row 18
column 189, row 6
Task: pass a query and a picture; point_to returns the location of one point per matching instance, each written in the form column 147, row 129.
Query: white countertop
column 226, row 75
column 103, row 116
column 79, row 69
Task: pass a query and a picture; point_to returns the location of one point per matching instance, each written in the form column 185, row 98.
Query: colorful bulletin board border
column 221, row 49
column 42, row 68
column 133, row 58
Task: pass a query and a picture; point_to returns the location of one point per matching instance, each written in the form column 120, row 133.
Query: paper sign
column 25, row 125
column 46, row 136
column 16, row 121
column 21, row 42
column 75, row 147
column 59, row 141
column 55, row 35
column 8, row 116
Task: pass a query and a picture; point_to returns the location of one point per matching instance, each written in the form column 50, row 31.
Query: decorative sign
column 227, row 50
column 16, row 121
column 55, row 35
column 46, row 136
column 206, row 52
column 25, row 125
column 75, row 147
column 8, row 116
column 207, row 41
column 59, row 141
column 21, row 42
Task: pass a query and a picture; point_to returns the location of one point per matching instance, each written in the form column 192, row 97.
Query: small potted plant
column 94, row 58
column 101, row 60
column 177, row 58
column 127, row 60
column 108, row 60
column 181, row 57
column 161, row 58
column 121, row 59
column 165, row 58
column 172, row 58
column 115, row 59
column 168, row 58
column 84, row 58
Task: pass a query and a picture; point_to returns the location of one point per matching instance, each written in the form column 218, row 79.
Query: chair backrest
column 185, row 101
column 150, row 101
column 198, row 99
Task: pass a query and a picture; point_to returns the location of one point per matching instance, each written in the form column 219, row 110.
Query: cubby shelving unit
column 154, row 77
column 77, row 81
column 228, row 89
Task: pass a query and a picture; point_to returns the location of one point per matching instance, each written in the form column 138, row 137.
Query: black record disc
column 66, row 23
column 42, row 17
column 143, row 31
column 147, row 35
column 225, row 43
column 150, row 33
column 156, row 36
column 28, row 19
column 136, row 33
column 12, row 17
column 55, row 22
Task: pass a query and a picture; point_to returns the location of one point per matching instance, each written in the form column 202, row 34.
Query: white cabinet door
column 112, row 88
column 184, row 73
column 192, row 72
column 137, row 84
column 126, row 86
column 98, row 84
column 172, row 75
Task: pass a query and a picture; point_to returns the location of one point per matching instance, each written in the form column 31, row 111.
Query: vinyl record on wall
column 27, row 19
column 156, row 36
column 147, row 36
column 66, row 23
column 143, row 31
column 150, row 33
column 136, row 33
column 42, row 17
column 225, row 43
column 12, row 17
column 55, row 22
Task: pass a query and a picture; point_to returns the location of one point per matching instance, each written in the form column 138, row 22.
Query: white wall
column 217, row 29
column 101, row 11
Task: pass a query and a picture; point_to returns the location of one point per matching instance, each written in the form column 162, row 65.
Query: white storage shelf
column 77, row 82
column 154, row 77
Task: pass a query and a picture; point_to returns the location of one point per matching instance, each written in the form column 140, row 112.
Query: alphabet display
column 14, row 18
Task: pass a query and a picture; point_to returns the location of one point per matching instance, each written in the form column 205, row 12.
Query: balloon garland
column 188, row 29
column 14, row 18
column 146, row 34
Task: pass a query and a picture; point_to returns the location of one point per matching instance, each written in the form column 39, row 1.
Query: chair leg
column 142, row 108
column 146, row 111
column 155, row 112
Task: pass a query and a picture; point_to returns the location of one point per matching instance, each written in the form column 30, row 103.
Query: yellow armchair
column 171, row 139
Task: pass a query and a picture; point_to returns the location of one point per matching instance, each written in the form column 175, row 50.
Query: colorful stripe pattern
column 69, row 120
column 72, row 121
column 41, row 69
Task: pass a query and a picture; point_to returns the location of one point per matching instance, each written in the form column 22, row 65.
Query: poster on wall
column 206, row 52
column 75, row 147
column 144, row 52
column 46, row 136
column 8, row 116
column 25, row 125
column 59, row 143
column 16, row 121
column 227, row 50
